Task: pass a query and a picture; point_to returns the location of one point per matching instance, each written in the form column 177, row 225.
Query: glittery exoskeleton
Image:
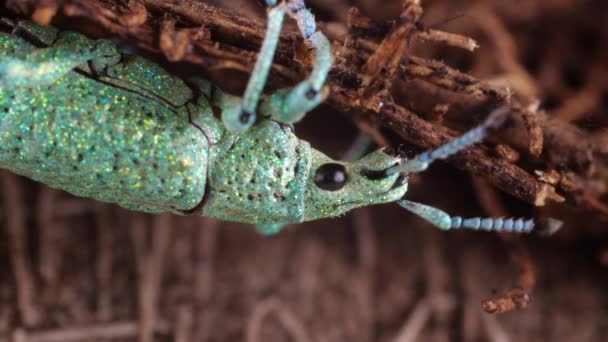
column 78, row 115
column 119, row 136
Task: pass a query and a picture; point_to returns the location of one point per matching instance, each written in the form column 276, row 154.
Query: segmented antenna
column 498, row 224
column 444, row 221
column 422, row 161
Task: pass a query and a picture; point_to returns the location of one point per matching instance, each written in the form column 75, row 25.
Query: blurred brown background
column 75, row 270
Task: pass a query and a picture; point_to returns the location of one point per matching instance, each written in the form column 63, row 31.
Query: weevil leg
column 45, row 35
column 317, row 41
column 255, row 87
column 444, row 221
column 269, row 229
column 239, row 118
column 358, row 149
column 422, row 161
column 44, row 66
column 290, row 105
column 14, row 46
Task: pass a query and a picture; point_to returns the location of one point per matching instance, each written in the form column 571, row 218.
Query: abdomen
column 102, row 142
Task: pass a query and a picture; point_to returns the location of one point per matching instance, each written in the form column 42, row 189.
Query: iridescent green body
column 90, row 120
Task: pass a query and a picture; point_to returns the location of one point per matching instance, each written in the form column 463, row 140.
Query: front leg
column 290, row 105
column 240, row 117
column 45, row 66
column 285, row 105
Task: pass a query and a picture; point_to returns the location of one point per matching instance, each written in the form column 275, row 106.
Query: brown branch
column 380, row 69
column 517, row 297
column 447, row 38
column 535, row 131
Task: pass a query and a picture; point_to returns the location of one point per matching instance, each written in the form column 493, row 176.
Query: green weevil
column 80, row 115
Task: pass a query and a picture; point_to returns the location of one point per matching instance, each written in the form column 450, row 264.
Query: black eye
column 331, row 177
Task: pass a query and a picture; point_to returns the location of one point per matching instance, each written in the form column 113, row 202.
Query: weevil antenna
column 422, row 161
column 444, row 221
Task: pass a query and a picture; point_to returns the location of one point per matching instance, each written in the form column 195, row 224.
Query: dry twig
column 517, row 297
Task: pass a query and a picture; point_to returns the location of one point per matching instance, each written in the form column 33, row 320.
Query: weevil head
column 269, row 176
column 335, row 187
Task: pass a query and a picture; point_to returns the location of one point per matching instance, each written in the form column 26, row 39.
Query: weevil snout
column 373, row 175
column 400, row 181
column 378, row 174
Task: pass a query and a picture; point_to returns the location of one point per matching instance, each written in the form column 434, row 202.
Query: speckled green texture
column 78, row 115
column 259, row 177
column 115, row 144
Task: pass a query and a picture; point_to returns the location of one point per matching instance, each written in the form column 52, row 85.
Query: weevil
column 80, row 115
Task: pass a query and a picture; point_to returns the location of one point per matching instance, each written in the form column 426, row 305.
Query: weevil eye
column 331, row 177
